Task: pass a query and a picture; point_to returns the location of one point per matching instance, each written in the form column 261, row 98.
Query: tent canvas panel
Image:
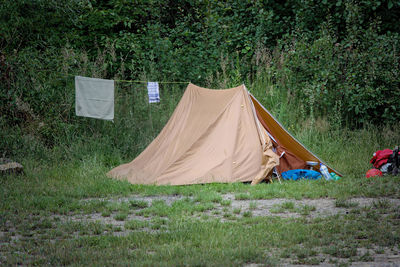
column 212, row 136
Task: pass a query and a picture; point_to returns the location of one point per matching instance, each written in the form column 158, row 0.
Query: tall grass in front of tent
column 51, row 134
column 41, row 125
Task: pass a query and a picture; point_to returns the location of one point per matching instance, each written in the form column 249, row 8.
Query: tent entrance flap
column 295, row 153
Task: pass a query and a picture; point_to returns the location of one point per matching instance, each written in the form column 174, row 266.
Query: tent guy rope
column 133, row 81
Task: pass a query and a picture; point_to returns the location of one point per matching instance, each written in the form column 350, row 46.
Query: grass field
column 64, row 210
column 67, row 212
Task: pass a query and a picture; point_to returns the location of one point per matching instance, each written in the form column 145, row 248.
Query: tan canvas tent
column 214, row 136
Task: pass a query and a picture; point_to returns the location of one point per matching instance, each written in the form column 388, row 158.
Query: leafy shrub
column 358, row 81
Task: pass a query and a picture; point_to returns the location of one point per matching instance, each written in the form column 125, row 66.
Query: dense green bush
column 355, row 81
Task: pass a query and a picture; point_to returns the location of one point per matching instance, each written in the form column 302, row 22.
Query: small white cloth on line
column 94, row 98
column 153, row 92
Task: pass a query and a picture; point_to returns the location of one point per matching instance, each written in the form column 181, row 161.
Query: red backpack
column 381, row 157
column 387, row 160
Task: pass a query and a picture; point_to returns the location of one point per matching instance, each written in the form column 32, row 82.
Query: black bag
column 394, row 160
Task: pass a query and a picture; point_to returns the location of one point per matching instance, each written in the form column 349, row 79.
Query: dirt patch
column 278, row 207
column 227, row 209
column 311, row 207
column 373, row 257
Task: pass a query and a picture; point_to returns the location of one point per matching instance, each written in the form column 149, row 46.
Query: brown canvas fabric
column 296, row 154
column 287, row 160
column 212, row 136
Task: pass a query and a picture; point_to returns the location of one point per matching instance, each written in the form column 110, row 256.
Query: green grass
column 207, row 196
column 236, row 210
column 247, row 213
column 121, row 216
column 342, row 203
column 305, row 209
column 35, row 207
column 288, row 205
column 43, row 212
column 226, row 202
column 135, row 224
column 138, row 204
column 253, row 205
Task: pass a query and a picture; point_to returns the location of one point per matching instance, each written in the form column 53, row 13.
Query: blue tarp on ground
column 301, row 174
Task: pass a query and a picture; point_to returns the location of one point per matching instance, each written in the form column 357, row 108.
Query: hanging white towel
column 94, row 98
column 153, row 91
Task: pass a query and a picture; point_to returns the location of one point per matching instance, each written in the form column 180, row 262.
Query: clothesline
column 132, row 81
column 94, row 97
column 135, row 81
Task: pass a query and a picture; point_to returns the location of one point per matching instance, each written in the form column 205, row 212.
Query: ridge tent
column 216, row 136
